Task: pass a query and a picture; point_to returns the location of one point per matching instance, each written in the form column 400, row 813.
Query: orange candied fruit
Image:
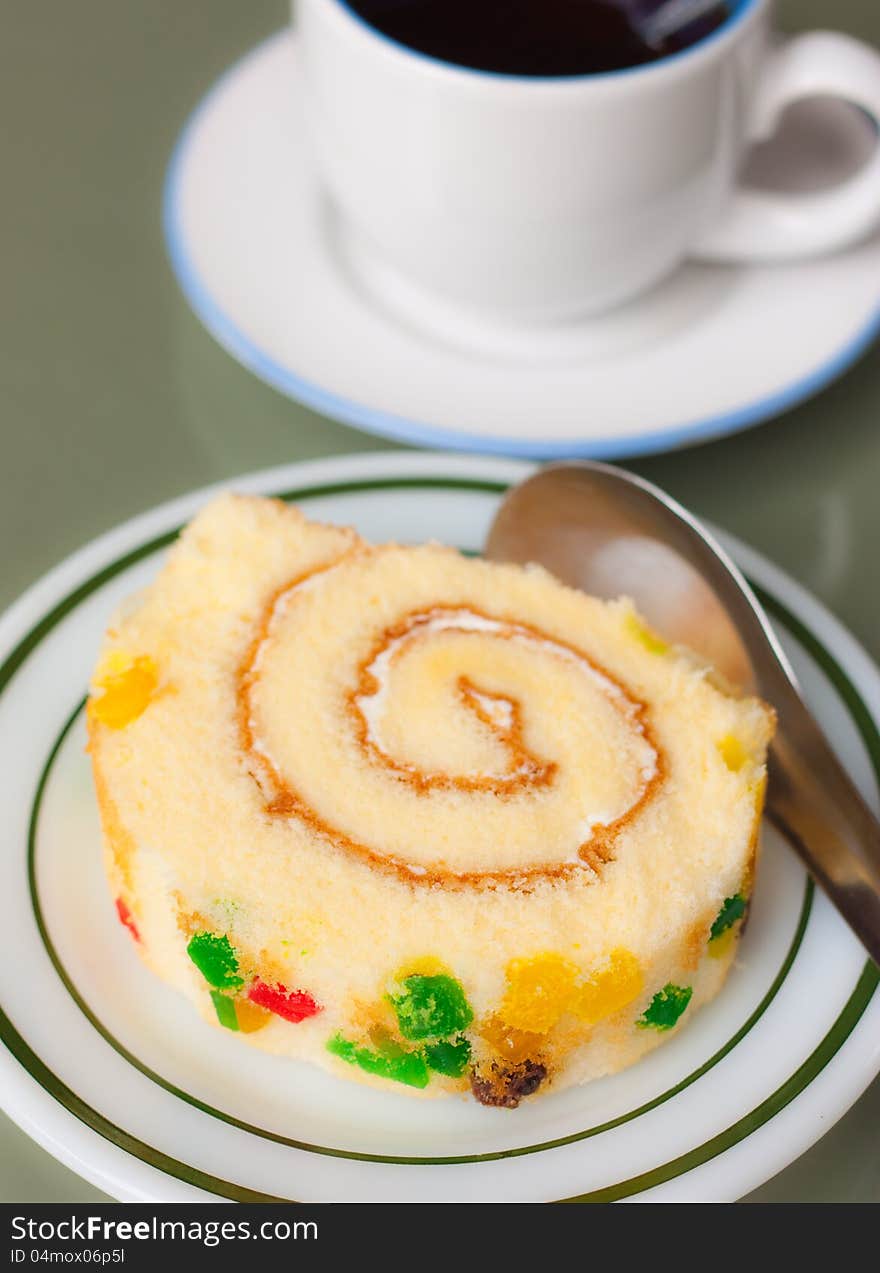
column 609, row 989
column 128, row 686
column 513, row 1045
column 542, row 989
column 250, row 1016
column 539, row 990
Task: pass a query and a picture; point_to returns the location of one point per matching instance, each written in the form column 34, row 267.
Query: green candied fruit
column 225, row 1009
column 216, row 960
column 386, row 1046
column 734, row 908
column 447, row 1058
column 408, row 1067
column 666, row 1007
column 431, row 1007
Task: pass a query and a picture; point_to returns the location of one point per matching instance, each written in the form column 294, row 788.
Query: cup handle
column 778, row 227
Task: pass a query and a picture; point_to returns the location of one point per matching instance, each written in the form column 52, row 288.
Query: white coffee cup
column 535, row 199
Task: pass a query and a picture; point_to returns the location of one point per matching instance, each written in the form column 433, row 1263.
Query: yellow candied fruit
column 542, row 989
column 733, row 752
column 609, row 989
column 720, row 946
column 114, row 663
column 251, row 1017
column 128, row 687
column 539, row 990
column 759, row 793
column 646, row 636
column 427, row 966
column 512, row 1045
column 384, row 1041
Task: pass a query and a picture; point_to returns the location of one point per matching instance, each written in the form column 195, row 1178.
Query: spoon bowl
column 609, row 533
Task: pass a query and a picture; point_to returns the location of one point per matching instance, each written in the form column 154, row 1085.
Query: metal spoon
column 610, row 533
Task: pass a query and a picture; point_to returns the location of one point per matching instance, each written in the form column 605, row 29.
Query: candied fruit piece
column 225, row 1009
column 449, row 1058
column 543, row 988
column 731, row 912
column 127, row 687
column 505, row 1086
column 666, row 1007
column 427, row 966
column 410, row 1068
column 292, row 1005
column 384, row 1041
column 216, row 960
column 345, row 1049
column 126, row 918
column 609, row 989
column 431, row 1007
column 539, row 990
column 719, row 947
column 733, row 752
column 513, row 1045
column 646, row 636
column 250, row 1017
column 758, row 790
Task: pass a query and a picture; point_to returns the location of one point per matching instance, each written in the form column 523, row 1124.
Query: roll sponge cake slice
column 432, row 823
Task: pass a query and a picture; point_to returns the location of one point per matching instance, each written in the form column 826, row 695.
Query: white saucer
column 113, row 1073
column 709, row 352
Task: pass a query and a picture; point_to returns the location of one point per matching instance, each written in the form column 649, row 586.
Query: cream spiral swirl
column 434, row 735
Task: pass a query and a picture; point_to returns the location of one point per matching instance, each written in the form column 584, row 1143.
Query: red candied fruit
column 126, row 918
column 292, row 1005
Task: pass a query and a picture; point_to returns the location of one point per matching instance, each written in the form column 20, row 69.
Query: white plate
column 113, row 1073
column 711, row 351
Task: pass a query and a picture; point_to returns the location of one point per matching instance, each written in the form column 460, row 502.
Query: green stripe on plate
column 784, row 1095
column 796, row 1083
column 307, row 1146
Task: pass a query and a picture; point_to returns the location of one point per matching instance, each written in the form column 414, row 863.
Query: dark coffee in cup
column 540, row 37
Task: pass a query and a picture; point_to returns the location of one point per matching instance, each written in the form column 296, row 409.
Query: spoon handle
column 811, row 796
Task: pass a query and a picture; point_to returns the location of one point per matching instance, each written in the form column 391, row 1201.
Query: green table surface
column 113, row 398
